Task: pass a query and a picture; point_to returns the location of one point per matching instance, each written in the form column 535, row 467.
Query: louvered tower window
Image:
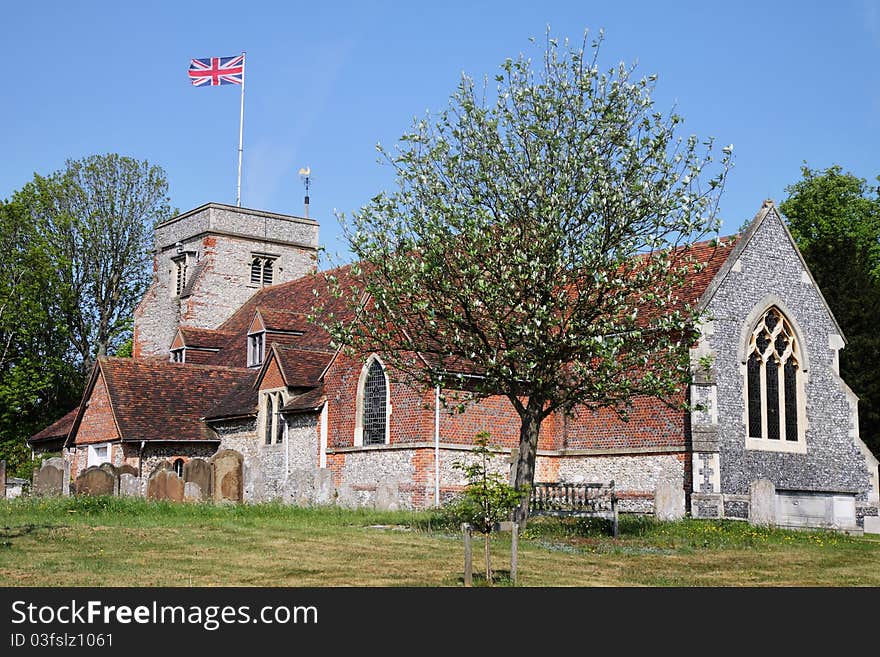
column 262, row 270
column 375, row 405
column 773, row 379
column 180, row 275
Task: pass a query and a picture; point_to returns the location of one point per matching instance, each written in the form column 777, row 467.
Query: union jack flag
column 214, row 71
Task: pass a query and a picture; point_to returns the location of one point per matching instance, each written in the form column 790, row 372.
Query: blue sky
column 785, row 82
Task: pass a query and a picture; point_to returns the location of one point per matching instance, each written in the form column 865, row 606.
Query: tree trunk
column 528, row 447
column 488, row 561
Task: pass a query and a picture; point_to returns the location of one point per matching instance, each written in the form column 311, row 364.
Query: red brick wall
column 651, row 424
column 98, row 425
column 272, row 378
column 412, row 416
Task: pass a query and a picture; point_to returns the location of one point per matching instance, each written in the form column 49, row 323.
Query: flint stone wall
column 833, row 462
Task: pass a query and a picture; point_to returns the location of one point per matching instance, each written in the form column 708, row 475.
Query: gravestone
column 96, row 481
column 198, row 471
column 165, row 485
column 668, row 501
column 48, row 480
column 2, row 479
column 113, row 471
column 325, row 490
column 387, row 495
column 301, row 486
column 227, row 476
column 192, row 492
column 56, row 462
column 125, row 468
column 762, row 503
column 129, row 485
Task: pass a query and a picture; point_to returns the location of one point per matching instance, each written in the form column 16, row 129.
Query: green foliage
column 537, row 237
column 38, row 382
column 74, row 261
column 487, row 498
column 835, row 220
column 98, row 215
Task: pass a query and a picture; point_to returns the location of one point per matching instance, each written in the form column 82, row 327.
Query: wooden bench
column 575, row 500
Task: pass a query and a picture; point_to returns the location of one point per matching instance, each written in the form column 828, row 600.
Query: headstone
column 227, row 476
column 387, row 495
column 165, row 485
column 125, row 468
column 762, row 503
column 301, row 486
column 55, row 462
column 95, row 481
column 113, row 471
column 198, row 471
column 48, row 480
column 668, row 501
column 325, row 489
column 192, row 492
column 2, row 479
column 872, row 524
column 129, row 485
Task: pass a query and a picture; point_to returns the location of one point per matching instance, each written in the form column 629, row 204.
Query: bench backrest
column 552, row 496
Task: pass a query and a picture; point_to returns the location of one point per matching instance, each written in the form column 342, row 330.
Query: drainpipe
column 141, row 459
column 437, row 446
column 281, row 418
column 322, row 458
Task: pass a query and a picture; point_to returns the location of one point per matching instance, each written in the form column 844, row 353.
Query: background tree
column 38, row 379
column 74, row 261
column 535, row 242
column 98, row 215
column 835, row 220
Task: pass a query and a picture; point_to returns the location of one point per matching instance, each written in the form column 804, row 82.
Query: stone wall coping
column 622, row 451
column 239, row 210
column 250, row 238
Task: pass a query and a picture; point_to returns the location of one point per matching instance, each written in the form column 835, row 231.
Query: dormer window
column 262, row 270
column 178, row 355
column 256, row 348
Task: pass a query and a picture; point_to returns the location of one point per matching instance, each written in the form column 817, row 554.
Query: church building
column 225, row 358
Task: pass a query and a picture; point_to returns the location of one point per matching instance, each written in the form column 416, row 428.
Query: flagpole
column 240, row 134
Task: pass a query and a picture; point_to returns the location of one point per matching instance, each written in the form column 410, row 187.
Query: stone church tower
column 207, row 262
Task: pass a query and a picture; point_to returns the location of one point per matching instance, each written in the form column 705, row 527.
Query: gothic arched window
column 774, row 382
column 372, row 418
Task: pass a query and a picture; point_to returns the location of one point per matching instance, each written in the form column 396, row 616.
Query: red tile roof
column 301, row 368
column 58, row 429
column 158, row 401
column 207, row 338
column 276, row 319
column 311, row 400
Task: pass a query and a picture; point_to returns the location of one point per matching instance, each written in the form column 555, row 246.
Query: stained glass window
column 791, row 420
column 375, row 406
column 772, row 379
column 771, row 368
column 754, row 387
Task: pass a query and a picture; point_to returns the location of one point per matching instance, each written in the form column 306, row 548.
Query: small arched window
column 774, row 382
column 373, row 418
column 178, row 467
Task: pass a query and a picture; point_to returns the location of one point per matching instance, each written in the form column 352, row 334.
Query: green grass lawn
column 128, row 542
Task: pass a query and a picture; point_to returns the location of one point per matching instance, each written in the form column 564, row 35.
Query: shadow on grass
column 9, row 533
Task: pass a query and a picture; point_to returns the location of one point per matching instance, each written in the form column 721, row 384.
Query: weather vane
column 306, row 172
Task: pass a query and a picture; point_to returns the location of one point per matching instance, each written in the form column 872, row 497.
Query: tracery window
column 774, row 381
